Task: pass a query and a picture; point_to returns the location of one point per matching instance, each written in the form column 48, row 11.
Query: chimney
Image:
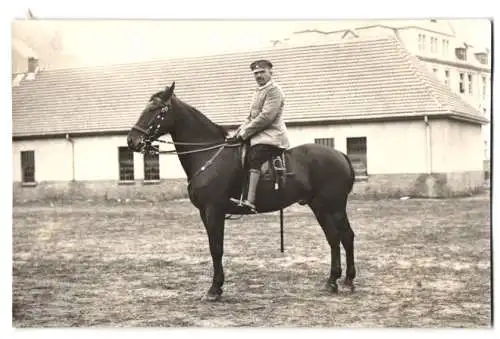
column 33, row 66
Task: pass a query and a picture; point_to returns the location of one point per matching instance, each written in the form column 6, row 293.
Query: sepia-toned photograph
column 251, row 173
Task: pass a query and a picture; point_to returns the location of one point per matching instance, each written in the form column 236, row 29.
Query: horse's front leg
column 213, row 219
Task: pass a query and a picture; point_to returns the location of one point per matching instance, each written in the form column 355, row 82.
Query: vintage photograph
column 246, row 173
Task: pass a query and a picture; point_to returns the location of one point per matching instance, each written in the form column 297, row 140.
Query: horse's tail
column 353, row 174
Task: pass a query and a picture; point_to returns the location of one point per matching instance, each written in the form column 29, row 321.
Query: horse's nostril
column 134, row 143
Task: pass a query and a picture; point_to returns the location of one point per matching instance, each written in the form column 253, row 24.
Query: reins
column 185, row 143
column 154, row 128
column 221, row 145
column 197, row 150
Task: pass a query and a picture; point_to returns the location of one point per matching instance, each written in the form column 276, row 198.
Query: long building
column 406, row 132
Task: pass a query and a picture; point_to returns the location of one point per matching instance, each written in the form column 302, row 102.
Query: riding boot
column 252, row 188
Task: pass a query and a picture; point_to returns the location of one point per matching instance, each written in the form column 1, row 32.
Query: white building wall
column 52, row 159
column 457, row 146
column 95, row 158
column 387, row 144
column 392, row 147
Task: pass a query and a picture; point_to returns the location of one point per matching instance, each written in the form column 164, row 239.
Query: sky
column 120, row 40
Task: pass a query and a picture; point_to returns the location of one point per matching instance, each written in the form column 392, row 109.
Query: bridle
column 151, row 134
column 153, row 129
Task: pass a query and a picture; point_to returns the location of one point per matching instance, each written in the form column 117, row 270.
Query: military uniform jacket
column 264, row 124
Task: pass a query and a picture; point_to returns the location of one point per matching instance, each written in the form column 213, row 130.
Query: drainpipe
column 72, row 156
column 428, row 144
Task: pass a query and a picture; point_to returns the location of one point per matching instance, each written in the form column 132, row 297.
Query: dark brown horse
column 322, row 178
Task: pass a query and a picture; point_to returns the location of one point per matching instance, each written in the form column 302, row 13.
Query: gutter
column 72, row 156
column 428, row 144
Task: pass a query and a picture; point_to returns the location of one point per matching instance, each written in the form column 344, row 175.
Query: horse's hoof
column 211, row 297
column 213, row 294
column 332, row 288
column 348, row 283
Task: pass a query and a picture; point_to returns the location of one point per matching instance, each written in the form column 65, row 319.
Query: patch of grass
column 420, row 263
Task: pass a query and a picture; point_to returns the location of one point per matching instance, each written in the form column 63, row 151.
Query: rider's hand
column 235, row 139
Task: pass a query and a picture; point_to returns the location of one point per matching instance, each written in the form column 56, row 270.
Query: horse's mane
column 202, row 117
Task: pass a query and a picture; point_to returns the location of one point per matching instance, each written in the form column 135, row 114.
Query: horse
column 322, row 178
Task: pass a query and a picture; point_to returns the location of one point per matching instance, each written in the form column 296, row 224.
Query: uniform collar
column 269, row 83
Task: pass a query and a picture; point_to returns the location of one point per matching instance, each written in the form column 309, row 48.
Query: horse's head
column 155, row 120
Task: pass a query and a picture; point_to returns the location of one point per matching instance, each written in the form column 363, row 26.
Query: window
column 356, row 150
column 434, row 43
column 461, row 53
column 469, row 78
column 28, row 166
column 445, row 45
column 421, row 42
column 329, row 142
column 151, row 166
column 482, row 58
column 434, row 70
column 446, row 77
column 461, row 85
column 126, row 163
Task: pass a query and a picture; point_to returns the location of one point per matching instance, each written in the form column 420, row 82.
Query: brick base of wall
column 437, row 185
column 100, row 191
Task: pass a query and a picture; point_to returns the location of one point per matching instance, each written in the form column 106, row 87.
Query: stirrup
column 249, row 205
column 244, row 203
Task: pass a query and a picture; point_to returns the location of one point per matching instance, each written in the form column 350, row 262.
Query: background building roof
column 354, row 79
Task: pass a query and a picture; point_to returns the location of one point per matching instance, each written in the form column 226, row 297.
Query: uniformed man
column 264, row 126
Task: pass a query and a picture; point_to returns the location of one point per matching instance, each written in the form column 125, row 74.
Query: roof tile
column 348, row 79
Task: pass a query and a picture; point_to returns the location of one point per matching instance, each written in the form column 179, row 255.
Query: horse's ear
column 169, row 91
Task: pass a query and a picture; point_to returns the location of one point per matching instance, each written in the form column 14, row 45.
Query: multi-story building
column 464, row 68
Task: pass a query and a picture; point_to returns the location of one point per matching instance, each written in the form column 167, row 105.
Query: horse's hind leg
column 347, row 239
column 327, row 222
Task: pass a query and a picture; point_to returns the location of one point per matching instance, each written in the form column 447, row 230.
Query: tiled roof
column 355, row 79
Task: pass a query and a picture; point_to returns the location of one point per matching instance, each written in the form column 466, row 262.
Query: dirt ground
column 420, row 263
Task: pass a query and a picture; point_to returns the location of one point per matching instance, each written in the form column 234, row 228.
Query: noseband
column 153, row 127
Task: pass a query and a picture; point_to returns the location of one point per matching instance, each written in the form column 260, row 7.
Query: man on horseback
column 264, row 126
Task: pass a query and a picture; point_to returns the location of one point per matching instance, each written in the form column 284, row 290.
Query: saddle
column 274, row 169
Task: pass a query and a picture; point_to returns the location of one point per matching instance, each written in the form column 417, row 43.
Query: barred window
column 356, row 151
column 126, row 163
column 28, row 166
column 329, row 142
column 151, row 166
